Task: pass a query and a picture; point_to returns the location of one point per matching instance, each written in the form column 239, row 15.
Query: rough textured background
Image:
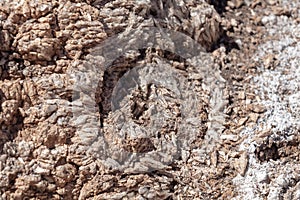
column 253, row 44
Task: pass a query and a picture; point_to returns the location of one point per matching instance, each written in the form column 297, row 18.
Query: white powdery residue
column 292, row 5
column 283, row 182
column 279, row 89
column 254, row 184
column 278, row 115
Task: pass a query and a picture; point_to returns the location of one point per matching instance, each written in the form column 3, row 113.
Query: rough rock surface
column 233, row 135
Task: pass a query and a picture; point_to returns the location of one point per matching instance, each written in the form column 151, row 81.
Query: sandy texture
column 98, row 100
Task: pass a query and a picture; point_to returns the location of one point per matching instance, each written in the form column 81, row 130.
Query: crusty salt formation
column 40, row 42
column 147, row 99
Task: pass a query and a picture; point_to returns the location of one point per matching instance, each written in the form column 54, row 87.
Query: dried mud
column 233, row 135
